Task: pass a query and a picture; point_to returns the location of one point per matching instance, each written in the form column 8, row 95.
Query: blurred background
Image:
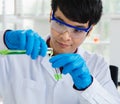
column 34, row 14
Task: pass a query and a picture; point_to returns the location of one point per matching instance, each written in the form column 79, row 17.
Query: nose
column 66, row 35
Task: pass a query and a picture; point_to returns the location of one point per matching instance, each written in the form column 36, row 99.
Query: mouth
column 63, row 45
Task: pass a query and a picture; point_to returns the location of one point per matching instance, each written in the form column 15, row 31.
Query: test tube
column 10, row 52
column 58, row 74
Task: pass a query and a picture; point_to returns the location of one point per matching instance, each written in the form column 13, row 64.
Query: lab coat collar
column 80, row 51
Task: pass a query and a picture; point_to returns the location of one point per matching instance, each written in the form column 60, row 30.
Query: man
column 85, row 77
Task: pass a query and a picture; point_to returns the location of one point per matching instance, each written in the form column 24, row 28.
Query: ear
column 50, row 16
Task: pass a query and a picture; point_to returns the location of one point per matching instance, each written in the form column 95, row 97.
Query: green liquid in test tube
column 11, row 52
column 57, row 74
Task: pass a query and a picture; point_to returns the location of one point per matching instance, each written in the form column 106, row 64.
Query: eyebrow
column 70, row 24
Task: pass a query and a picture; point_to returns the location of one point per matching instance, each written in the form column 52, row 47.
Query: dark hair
column 79, row 10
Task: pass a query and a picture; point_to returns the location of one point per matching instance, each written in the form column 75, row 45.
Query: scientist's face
column 65, row 37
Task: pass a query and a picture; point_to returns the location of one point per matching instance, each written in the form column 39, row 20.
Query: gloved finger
column 72, row 66
column 68, row 56
column 59, row 62
column 85, row 69
column 77, row 72
column 62, row 59
column 36, row 48
column 55, row 58
column 22, row 39
column 29, row 41
column 43, row 47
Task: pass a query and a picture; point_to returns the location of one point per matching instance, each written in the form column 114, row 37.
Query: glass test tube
column 10, row 52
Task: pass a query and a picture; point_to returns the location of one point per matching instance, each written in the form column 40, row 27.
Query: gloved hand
column 26, row 40
column 75, row 66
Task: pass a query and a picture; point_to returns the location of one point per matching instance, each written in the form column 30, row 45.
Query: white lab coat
column 27, row 81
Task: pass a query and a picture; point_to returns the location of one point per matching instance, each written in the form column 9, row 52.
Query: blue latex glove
column 75, row 66
column 26, row 40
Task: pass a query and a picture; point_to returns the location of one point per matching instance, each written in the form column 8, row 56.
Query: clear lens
column 61, row 28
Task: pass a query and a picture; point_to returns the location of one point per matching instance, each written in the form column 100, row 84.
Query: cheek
column 53, row 33
column 78, row 42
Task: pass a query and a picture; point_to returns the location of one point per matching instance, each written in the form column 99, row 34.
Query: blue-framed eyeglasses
column 61, row 27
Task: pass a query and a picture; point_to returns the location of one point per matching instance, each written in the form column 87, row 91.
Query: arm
column 19, row 40
column 89, row 92
column 97, row 94
column 102, row 90
column 102, row 86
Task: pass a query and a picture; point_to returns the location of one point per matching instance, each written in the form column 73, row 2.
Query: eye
column 78, row 31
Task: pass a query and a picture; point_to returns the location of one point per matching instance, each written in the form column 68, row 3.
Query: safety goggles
column 61, row 27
